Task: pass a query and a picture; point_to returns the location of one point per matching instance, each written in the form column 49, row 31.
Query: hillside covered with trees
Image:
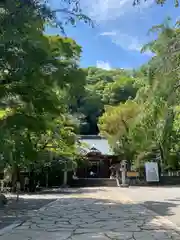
column 101, row 88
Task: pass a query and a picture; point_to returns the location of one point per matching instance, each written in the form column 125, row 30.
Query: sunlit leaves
column 37, row 74
column 154, row 124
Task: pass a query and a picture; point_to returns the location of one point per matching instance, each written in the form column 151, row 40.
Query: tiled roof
column 97, row 143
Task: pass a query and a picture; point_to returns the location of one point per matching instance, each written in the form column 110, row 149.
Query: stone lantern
column 123, row 170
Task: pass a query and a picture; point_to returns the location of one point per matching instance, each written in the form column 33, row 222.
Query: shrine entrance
column 93, row 169
column 97, row 166
column 99, row 158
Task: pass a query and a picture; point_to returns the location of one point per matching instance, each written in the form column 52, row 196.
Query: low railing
column 171, row 173
column 165, row 178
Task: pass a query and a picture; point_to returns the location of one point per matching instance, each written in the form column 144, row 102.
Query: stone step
column 94, row 182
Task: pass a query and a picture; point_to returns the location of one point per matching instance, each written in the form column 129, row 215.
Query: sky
column 120, row 31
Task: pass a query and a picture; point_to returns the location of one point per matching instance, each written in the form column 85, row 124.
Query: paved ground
column 163, row 200
column 99, row 214
column 26, row 206
column 14, row 211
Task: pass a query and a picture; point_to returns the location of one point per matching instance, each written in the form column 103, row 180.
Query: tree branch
column 76, row 14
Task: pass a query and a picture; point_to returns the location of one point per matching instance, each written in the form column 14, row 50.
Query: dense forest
column 47, row 98
column 101, row 88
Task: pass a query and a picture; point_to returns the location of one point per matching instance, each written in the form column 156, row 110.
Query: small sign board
column 132, row 174
column 152, row 173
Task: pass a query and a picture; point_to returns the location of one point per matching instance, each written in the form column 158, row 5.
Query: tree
column 116, row 124
column 101, row 88
column 119, row 90
column 152, row 129
column 159, row 96
column 165, row 68
column 37, row 73
column 159, row 2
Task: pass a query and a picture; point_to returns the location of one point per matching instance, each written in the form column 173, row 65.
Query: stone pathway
column 28, row 204
column 20, row 210
column 96, row 214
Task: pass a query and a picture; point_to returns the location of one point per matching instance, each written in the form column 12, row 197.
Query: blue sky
column 120, row 31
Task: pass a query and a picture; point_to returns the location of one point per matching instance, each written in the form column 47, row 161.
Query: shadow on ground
column 177, row 199
column 29, row 203
column 19, row 210
column 60, row 191
column 162, row 208
column 97, row 205
column 96, row 216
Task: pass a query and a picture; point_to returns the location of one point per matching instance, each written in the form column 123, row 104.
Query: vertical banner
column 152, row 173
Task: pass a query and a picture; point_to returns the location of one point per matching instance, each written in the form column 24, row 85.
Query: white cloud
column 111, row 33
column 106, row 10
column 125, row 41
column 109, row 13
column 149, row 53
column 103, row 65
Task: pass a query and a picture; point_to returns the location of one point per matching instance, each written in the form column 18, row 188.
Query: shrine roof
column 95, row 143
